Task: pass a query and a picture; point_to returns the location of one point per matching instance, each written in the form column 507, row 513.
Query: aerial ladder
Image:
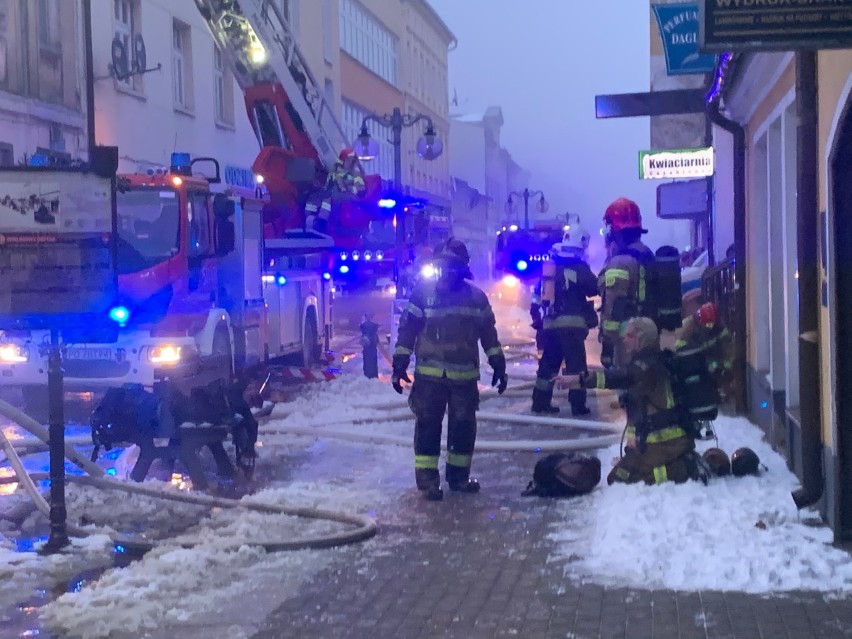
column 291, row 116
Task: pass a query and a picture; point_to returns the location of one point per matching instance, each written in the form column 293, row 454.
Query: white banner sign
column 677, row 163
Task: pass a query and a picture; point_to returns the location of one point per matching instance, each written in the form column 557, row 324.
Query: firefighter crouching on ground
column 703, row 331
column 623, row 282
column 442, row 325
column 345, row 178
column 658, row 448
column 561, row 297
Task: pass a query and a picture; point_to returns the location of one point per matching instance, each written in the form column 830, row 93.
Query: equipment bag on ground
column 564, row 475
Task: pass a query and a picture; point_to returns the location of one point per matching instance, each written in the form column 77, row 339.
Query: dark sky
column 543, row 62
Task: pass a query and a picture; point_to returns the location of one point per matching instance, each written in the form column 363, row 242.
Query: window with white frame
column 353, row 116
column 48, row 24
column 367, row 40
column 181, row 66
column 126, row 25
column 223, row 87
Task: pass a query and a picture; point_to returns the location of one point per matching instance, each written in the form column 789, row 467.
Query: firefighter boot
column 429, row 483
column 468, row 486
column 577, row 398
column 541, row 402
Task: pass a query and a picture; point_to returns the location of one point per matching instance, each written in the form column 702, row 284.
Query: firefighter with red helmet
column 563, row 314
column 345, row 178
column 623, row 282
column 443, row 324
column 704, row 331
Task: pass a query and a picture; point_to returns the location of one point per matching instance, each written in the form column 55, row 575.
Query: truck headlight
column 13, row 354
column 164, row 354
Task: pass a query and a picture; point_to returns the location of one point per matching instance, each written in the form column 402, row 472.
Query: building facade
column 42, row 80
column 788, row 122
column 484, row 174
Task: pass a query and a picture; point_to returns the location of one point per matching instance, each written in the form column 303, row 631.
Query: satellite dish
column 139, row 58
column 120, row 66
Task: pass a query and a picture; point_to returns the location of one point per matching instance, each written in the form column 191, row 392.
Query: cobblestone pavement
column 475, row 566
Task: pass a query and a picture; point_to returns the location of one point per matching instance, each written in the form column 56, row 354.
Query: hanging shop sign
column 678, row 24
column 676, row 163
column 774, row 25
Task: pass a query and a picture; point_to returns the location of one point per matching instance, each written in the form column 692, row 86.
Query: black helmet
column 452, row 249
column 744, row 462
column 718, row 461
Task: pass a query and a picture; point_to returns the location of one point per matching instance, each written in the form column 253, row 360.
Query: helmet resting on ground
column 744, row 462
column 718, row 461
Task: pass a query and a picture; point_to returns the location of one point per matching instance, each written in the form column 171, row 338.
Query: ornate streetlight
column 526, row 194
column 429, row 147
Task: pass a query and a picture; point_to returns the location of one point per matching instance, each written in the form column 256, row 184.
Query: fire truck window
column 148, row 228
column 199, row 225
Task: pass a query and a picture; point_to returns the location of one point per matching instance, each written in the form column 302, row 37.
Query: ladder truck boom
column 261, row 47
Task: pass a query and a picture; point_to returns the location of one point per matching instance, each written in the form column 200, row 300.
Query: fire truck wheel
column 222, row 347
column 310, row 345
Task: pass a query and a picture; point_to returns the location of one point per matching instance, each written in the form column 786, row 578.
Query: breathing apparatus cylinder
column 548, row 283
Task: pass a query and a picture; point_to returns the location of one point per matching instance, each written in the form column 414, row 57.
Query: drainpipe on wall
column 807, row 206
column 90, row 76
column 739, row 328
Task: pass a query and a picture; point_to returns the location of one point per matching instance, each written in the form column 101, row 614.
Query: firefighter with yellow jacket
column 658, row 448
column 443, row 324
column 624, row 281
column 345, row 179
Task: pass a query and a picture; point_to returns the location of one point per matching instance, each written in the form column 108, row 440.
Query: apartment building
column 42, row 81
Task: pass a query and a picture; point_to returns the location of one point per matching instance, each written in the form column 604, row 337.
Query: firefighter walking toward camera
column 624, row 282
column 562, row 312
column 443, row 324
column 658, row 447
column 345, row 178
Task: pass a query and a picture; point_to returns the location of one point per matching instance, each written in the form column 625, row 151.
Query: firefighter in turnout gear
column 562, row 312
column 703, row 331
column 442, row 326
column 658, row 448
column 624, row 281
column 346, row 179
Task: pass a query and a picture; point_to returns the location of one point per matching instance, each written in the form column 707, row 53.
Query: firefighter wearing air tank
column 443, row 324
column 658, row 447
column 704, row 331
column 562, row 312
column 346, row 180
column 634, row 281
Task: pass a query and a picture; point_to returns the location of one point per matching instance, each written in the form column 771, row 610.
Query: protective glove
column 500, row 380
column 397, row 378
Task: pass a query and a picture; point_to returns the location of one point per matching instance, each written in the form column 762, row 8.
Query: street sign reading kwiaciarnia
column 676, row 163
column 774, row 25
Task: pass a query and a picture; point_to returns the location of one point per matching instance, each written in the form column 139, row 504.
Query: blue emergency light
column 326, row 276
column 181, row 163
column 344, row 269
column 119, row 315
column 387, row 203
column 521, row 265
column 281, row 280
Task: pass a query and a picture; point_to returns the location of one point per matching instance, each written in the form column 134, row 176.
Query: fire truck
column 214, row 280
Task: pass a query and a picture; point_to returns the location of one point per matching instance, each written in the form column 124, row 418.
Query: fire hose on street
column 365, row 527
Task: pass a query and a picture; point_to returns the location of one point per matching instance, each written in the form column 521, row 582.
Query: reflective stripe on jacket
column 443, row 328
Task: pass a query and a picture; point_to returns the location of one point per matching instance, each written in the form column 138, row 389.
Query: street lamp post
column 526, row 194
column 429, row 147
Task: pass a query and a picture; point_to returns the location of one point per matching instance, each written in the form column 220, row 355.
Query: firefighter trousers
column 558, row 345
column 658, row 463
column 429, row 399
